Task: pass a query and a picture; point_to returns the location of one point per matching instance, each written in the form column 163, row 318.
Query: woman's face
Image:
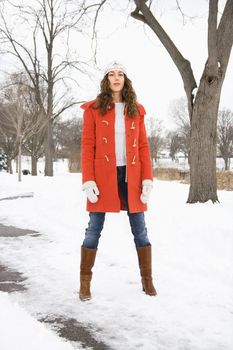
column 116, row 80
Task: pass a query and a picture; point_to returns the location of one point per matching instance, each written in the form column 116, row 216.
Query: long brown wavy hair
column 104, row 99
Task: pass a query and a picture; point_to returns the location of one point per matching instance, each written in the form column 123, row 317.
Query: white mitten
column 92, row 191
column 147, row 186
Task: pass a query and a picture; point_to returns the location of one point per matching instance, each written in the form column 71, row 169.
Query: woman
column 116, row 170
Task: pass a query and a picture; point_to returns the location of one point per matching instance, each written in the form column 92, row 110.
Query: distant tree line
column 23, row 127
column 178, row 140
column 22, row 130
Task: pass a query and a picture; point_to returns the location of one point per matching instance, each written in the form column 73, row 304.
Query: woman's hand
column 92, row 191
column 147, row 186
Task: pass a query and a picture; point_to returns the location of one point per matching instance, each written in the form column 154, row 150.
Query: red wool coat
column 98, row 158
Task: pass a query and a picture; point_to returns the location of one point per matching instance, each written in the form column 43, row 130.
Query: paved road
column 13, row 281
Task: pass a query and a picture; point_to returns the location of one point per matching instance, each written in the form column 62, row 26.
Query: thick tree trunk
column 19, row 163
column 226, row 163
column 48, row 144
column 203, row 182
column 34, row 166
column 9, row 166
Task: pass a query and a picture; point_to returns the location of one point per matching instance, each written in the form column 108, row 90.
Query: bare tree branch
column 67, row 106
column 184, row 15
column 143, row 13
column 225, row 36
column 212, row 39
column 94, row 33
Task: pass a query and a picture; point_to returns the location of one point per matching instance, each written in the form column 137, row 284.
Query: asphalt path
column 68, row 328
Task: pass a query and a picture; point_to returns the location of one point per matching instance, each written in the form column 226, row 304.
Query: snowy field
column 182, row 163
column 192, row 269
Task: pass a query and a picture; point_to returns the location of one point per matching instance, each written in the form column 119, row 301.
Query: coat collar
column 141, row 109
column 86, row 105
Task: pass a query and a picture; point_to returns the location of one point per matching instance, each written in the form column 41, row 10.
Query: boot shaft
column 87, row 260
column 144, row 260
column 86, row 264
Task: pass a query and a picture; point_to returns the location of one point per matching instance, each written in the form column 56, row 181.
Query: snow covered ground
column 21, row 331
column 192, row 267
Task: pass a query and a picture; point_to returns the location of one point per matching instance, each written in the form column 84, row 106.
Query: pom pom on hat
column 114, row 66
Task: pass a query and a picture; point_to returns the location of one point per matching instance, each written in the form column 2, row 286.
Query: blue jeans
column 137, row 220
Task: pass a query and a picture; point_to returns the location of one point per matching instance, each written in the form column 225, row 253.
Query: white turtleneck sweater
column 120, row 146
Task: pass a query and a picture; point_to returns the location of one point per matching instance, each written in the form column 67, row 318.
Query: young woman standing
column 116, row 170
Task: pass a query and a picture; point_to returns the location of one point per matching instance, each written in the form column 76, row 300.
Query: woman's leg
column 122, row 187
column 88, row 253
column 137, row 220
column 138, row 229
column 144, row 251
column 93, row 231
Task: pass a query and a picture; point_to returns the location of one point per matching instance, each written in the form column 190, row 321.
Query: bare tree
column 7, row 142
column 33, row 145
column 175, row 144
column 16, row 114
column 202, row 107
column 34, row 138
column 68, row 141
column 180, row 116
column 48, row 21
column 155, row 137
column 225, row 135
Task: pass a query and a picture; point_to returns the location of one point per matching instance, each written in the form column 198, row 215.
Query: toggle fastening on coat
column 98, row 158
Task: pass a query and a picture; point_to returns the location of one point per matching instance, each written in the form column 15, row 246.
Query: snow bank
column 18, row 330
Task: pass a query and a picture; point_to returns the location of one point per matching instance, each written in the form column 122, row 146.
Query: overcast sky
column 154, row 75
column 155, row 78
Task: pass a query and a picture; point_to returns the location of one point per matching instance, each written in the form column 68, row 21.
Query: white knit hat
column 114, row 66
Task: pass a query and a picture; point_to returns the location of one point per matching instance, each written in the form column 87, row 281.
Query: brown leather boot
column 144, row 260
column 87, row 262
